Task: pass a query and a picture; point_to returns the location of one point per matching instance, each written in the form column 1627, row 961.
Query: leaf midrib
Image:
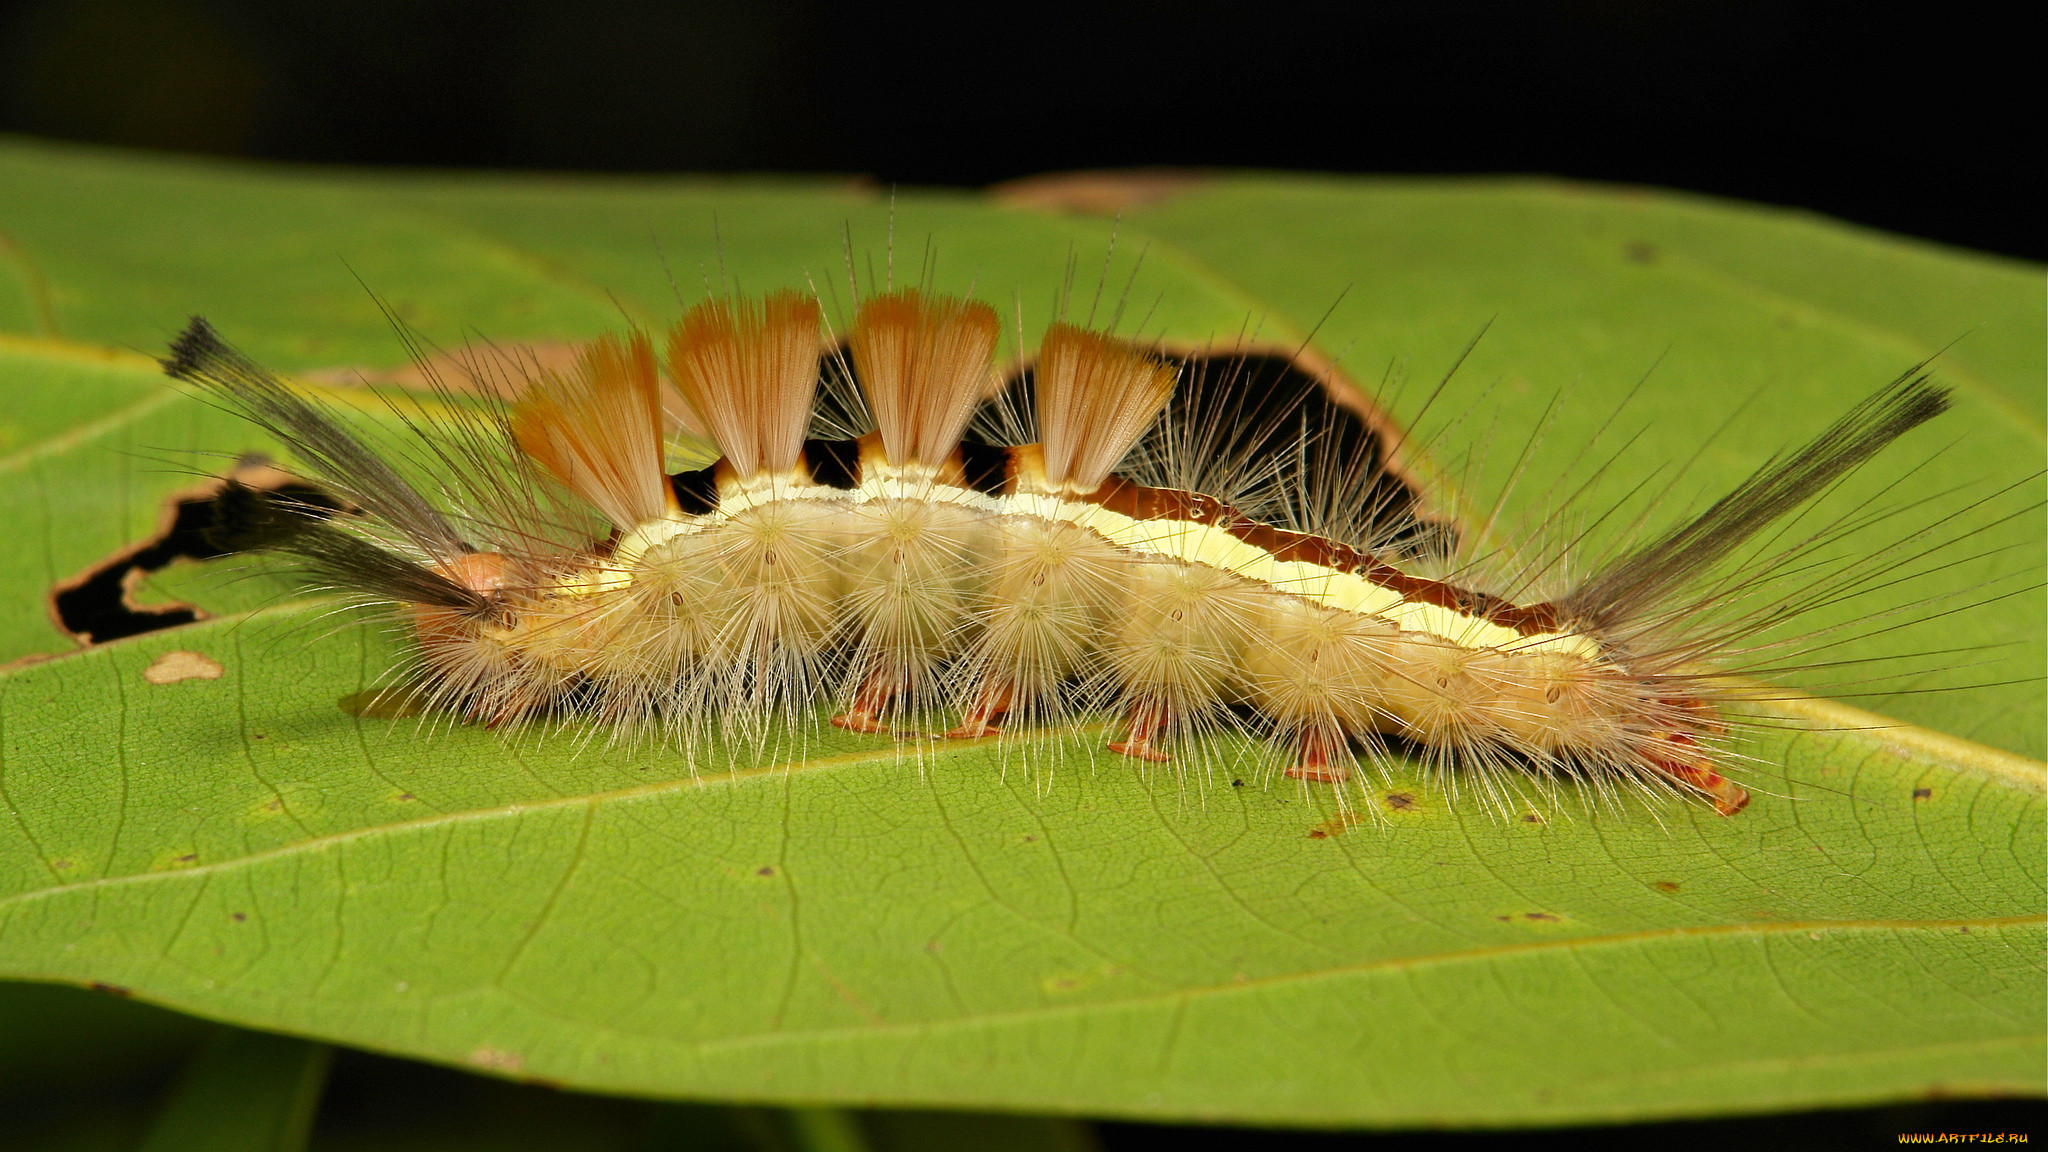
column 1390, row 965
column 591, row 801
column 1394, row 964
column 501, row 811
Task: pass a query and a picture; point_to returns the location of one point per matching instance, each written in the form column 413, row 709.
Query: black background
column 1921, row 119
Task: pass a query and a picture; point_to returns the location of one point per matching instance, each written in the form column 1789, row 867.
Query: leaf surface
column 840, row 921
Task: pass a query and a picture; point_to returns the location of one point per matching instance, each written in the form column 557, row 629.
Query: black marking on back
column 696, row 492
column 838, row 410
column 834, row 463
column 986, row 467
column 1010, row 416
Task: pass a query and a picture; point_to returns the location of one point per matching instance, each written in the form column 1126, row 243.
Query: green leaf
column 243, row 1092
column 847, row 923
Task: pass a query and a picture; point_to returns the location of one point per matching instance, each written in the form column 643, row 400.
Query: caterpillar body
column 1118, row 538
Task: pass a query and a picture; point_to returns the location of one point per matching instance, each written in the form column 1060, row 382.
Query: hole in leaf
column 99, row 604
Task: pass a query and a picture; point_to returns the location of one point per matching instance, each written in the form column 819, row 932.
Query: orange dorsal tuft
column 1096, row 396
column 598, row 429
column 748, row 373
column 923, row 363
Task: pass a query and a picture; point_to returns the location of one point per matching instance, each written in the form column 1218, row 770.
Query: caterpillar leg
column 1679, row 755
column 866, row 713
column 1697, row 713
column 984, row 717
column 1316, row 757
column 1693, row 770
column 1144, row 720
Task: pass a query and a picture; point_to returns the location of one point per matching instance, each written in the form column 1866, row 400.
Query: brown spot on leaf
column 187, row 858
column 239, row 917
column 1110, row 192
column 497, row 1059
column 1666, row 885
column 1640, row 252
column 1545, row 917
column 1532, row 818
column 110, row 989
column 765, row 870
column 1401, row 801
column 1336, row 825
column 1923, row 793
column 172, row 667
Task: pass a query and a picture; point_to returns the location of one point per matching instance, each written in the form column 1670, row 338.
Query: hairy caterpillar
column 1115, row 537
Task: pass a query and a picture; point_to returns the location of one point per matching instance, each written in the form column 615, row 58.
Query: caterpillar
column 1117, row 537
